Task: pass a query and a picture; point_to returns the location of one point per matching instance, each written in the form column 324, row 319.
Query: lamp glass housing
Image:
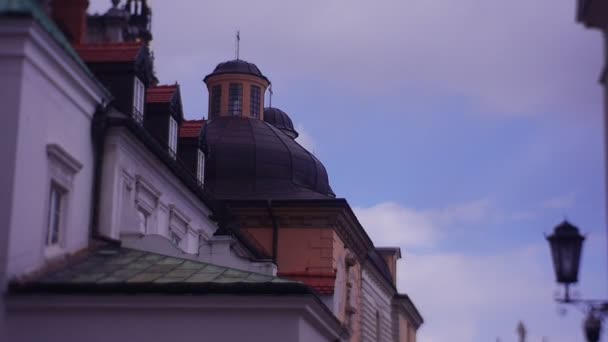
column 566, row 246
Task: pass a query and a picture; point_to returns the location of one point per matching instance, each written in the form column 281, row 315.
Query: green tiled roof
column 112, row 270
column 31, row 8
column 131, row 266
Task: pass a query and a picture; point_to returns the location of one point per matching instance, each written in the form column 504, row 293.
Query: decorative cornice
column 57, row 152
column 403, row 303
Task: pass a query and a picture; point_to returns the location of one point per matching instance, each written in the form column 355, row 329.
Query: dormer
column 125, row 69
column 390, row 256
column 188, row 151
column 164, row 115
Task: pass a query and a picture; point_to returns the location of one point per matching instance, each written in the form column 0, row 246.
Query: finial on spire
column 270, row 95
column 238, row 43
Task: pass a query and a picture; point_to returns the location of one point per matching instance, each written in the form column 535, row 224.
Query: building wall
column 305, row 250
column 376, row 299
column 53, row 101
column 134, row 177
column 162, row 318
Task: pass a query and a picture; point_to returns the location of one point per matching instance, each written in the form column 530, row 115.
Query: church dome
column 251, row 159
column 280, row 120
column 237, row 66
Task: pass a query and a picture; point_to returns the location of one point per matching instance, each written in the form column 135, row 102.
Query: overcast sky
column 461, row 131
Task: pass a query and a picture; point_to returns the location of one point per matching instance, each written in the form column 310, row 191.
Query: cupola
column 236, row 88
column 280, row 120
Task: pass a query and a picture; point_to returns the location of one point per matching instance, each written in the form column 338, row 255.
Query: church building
column 126, row 221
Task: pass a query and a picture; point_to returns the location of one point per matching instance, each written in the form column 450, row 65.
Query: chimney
column 71, row 17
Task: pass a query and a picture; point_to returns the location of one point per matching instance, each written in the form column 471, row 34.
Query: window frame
column 55, row 216
column 216, row 101
column 235, row 99
column 172, row 143
column 255, row 101
column 200, row 167
column 139, row 91
column 62, row 169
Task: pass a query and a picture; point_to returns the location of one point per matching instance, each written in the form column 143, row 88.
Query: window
column 254, row 107
column 172, row 136
column 216, row 99
column 175, row 238
column 146, row 208
column 138, row 101
column 235, row 99
column 62, row 169
column 200, row 169
column 179, row 225
column 55, row 215
column 143, row 220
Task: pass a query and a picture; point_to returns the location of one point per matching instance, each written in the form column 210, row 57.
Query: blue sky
column 461, row 131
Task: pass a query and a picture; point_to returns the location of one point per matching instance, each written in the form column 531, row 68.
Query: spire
column 270, row 95
column 238, row 43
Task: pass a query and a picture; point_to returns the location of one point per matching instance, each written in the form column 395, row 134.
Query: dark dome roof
column 237, row 66
column 280, row 120
column 251, row 159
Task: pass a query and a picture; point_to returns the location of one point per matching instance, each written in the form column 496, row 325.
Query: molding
column 58, row 153
column 404, row 304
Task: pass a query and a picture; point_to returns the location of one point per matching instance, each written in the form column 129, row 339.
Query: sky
column 460, row 131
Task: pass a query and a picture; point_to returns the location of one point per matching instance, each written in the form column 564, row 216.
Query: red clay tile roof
column 322, row 283
column 191, row 128
column 111, row 52
column 161, row 93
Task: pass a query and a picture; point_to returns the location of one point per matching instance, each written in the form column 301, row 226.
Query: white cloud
column 560, row 202
column 389, row 223
column 467, row 297
column 502, row 57
column 478, row 298
column 305, row 139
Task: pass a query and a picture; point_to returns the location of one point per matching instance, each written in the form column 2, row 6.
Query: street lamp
column 566, row 244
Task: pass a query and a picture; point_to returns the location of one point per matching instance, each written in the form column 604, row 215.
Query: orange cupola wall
column 236, row 88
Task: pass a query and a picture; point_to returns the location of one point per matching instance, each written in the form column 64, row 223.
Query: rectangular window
column 138, row 101
column 216, row 100
column 200, row 170
column 235, row 99
column 255, row 101
column 172, row 136
column 143, row 220
column 175, row 238
column 56, row 205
